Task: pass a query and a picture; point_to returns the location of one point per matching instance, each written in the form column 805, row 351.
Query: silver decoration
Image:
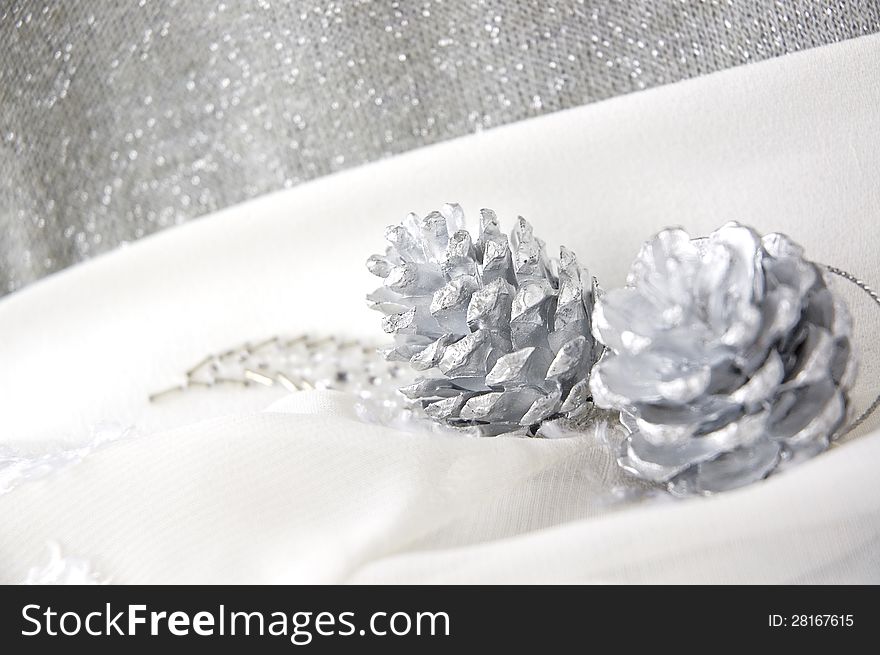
column 297, row 363
column 118, row 119
column 728, row 357
column 499, row 331
column 284, row 364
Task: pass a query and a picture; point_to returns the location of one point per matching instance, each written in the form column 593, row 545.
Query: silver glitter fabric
column 727, row 357
column 499, row 331
column 118, row 119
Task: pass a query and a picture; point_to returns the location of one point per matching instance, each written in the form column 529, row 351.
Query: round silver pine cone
column 500, row 332
column 726, row 356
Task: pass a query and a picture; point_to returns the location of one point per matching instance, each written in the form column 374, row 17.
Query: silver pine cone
column 726, row 356
column 499, row 332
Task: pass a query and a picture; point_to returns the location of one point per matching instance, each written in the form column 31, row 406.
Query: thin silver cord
column 849, row 277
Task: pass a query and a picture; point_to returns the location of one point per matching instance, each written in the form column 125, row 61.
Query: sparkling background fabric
column 120, row 119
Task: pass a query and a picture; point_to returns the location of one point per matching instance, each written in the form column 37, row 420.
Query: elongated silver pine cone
column 726, row 356
column 499, row 331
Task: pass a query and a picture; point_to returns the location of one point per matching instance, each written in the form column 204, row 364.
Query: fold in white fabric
column 214, row 490
column 319, row 497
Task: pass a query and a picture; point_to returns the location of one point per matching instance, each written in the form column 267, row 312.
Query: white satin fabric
column 215, row 490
